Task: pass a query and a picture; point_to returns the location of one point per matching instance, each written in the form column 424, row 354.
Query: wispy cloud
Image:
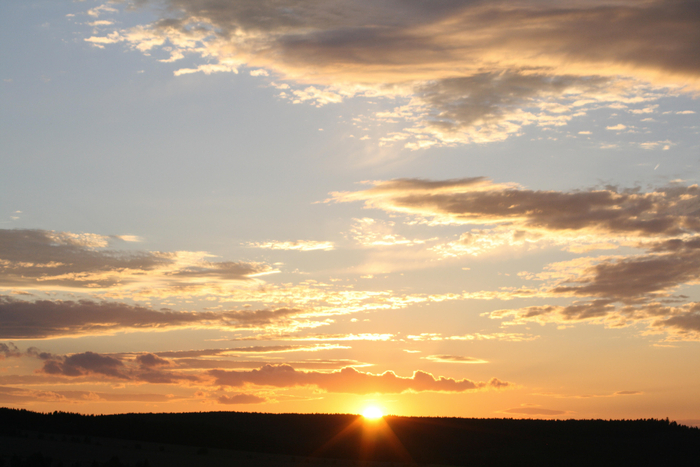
column 453, row 359
column 300, row 245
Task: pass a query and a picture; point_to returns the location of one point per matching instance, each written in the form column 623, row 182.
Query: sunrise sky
column 434, row 207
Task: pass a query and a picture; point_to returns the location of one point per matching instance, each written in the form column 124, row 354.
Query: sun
column 372, row 413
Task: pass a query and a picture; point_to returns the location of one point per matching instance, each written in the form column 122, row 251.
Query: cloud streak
column 56, row 318
column 671, row 210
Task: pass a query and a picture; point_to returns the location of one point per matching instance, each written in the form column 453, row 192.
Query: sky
column 432, row 207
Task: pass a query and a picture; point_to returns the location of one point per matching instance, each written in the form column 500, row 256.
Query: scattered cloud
column 618, row 127
column 453, row 359
column 497, row 336
column 39, row 259
column 466, row 71
column 301, row 245
column 349, row 380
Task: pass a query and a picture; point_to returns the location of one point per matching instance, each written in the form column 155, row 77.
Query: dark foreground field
column 254, row 439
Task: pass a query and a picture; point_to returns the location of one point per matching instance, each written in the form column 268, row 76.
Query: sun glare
column 372, row 413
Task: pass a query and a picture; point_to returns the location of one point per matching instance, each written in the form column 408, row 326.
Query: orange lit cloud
column 349, row 380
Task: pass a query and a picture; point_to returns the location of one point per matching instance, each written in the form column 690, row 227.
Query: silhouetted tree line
column 40, row 460
column 424, row 440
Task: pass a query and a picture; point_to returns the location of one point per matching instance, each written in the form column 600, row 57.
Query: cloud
column 592, row 396
column 41, row 259
column 471, row 71
column 349, row 380
column 496, row 336
column 634, row 280
column 156, row 369
column 614, row 290
column 617, row 127
column 453, row 359
column 377, row 233
column 628, row 393
column 677, row 322
column 312, row 364
column 85, row 363
column 92, row 366
column 300, row 245
column 285, row 348
column 672, row 210
column 9, row 350
column 241, row 399
column 535, row 411
column 150, row 360
column 323, row 337
column 10, row 395
column 56, row 318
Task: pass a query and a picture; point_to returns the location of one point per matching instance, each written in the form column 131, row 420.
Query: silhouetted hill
column 423, row 440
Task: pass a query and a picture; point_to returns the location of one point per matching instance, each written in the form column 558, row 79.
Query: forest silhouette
column 392, row 440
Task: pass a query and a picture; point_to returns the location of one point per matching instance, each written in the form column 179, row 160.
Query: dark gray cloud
column 9, row 350
column 85, row 363
column 53, row 318
column 635, row 277
column 660, row 34
column 91, row 365
column 150, row 360
column 349, row 380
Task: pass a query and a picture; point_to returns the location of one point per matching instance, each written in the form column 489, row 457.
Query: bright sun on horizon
column 372, row 413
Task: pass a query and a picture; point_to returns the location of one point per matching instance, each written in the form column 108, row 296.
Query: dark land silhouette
column 61, row 439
